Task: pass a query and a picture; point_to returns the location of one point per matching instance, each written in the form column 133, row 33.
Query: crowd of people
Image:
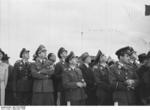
column 75, row 80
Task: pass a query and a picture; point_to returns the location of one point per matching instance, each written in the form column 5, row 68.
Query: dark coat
column 117, row 77
column 59, row 69
column 72, row 91
column 22, row 76
column 144, row 86
column 10, row 82
column 9, row 94
column 90, row 89
column 43, row 89
column 104, row 89
column 41, row 73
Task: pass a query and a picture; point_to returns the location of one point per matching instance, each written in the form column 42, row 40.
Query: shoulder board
column 18, row 61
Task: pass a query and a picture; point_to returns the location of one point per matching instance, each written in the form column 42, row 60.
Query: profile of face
column 134, row 56
column 103, row 58
column 42, row 54
column 26, row 55
column 52, row 58
column 64, row 54
column 125, row 58
column 88, row 60
column 1, row 56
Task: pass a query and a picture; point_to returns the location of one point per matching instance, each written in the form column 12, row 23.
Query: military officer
column 133, row 66
column 73, row 82
column 42, row 71
column 89, row 77
column 144, row 77
column 104, row 89
column 59, row 69
column 123, row 79
column 52, row 59
column 23, row 79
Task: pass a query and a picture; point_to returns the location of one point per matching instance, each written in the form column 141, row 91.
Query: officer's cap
column 40, row 49
column 70, row 56
column 84, row 56
column 60, row 51
column 124, row 50
column 24, row 50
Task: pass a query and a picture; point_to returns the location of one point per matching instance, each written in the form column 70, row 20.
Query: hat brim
column 64, row 51
column 42, row 51
column 70, row 58
column 85, row 57
column 27, row 51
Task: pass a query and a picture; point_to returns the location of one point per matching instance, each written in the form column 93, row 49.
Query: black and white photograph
column 74, row 53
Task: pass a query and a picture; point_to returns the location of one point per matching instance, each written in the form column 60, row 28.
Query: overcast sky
column 78, row 25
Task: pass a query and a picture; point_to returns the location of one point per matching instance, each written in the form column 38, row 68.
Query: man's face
column 103, row 58
column 42, row 54
column 73, row 61
column 26, row 55
column 88, row 60
column 1, row 56
column 64, row 54
column 134, row 56
column 52, row 59
column 125, row 58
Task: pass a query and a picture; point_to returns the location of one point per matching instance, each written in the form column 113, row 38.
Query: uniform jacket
column 42, row 76
column 59, row 69
column 72, row 92
column 102, row 79
column 88, row 75
column 22, row 76
column 118, row 76
column 144, row 86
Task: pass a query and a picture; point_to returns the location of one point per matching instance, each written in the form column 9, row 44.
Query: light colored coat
column 3, row 81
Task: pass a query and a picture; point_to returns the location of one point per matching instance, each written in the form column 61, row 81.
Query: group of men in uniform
column 84, row 80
